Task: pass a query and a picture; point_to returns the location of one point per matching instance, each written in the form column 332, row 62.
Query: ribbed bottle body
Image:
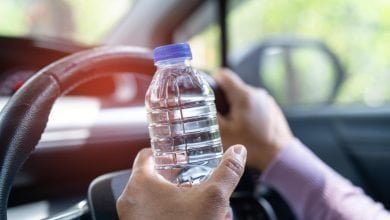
column 183, row 125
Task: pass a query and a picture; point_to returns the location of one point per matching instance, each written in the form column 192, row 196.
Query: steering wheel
column 24, row 118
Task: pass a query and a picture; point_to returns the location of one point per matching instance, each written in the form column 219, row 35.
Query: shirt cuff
column 297, row 174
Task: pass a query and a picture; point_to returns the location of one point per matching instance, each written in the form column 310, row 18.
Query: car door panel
column 353, row 142
column 366, row 138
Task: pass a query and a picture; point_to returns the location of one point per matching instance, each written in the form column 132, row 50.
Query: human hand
column 254, row 120
column 149, row 196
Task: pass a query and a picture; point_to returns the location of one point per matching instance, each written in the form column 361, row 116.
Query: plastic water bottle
column 183, row 126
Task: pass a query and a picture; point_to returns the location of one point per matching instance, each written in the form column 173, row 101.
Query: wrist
column 268, row 157
column 273, row 150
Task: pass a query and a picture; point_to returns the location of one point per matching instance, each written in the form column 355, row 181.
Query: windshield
column 86, row 21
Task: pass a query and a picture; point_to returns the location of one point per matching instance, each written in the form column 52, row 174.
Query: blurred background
column 327, row 63
column 87, row 22
column 357, row 31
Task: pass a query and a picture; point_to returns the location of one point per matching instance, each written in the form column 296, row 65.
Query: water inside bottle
column 186, row 140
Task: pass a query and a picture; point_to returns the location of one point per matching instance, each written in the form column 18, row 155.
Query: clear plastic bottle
column 183, row 125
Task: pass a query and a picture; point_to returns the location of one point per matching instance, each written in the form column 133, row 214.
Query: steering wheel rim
column 24, row 117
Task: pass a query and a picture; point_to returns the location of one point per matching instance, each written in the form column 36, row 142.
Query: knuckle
column 261, row 92
column 216, row 194
column 120, row 203
column 234, row 166
column 245, row 100
column 135, row 186
column 144, row 152
column 124, row 205
column 261, row 89
column 138, row 179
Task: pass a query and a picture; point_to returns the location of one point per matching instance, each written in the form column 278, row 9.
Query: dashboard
column 11, row 81
column 21, row 58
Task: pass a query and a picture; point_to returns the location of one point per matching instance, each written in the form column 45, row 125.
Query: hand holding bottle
column 150, row 196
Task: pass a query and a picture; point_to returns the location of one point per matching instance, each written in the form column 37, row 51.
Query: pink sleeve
column 315, row 191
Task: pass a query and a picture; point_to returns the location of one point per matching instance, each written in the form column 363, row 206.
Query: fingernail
column 237, row 149
column 240, row 152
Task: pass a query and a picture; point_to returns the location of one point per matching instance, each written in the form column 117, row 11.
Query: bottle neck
column 174, row 63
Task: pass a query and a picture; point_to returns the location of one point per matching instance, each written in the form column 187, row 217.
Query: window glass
column 357, row 31
column 308, row 71
column 205, row 49
column 202, row 32
column 85, row 21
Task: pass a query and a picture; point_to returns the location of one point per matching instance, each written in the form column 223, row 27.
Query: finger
column 223, row 123
column 142, row 167
column 230, row 83
column 144, row 161
column 227, row 175
column 229, row 79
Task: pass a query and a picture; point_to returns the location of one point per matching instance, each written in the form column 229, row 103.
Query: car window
column 311, row 73
column 205, row 49
column 86, row 21
column 358, row 32
column 202, row 32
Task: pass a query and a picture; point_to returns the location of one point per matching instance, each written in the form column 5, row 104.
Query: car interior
column 73, row 78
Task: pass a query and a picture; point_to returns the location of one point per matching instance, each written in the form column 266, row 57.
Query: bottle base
column 189, row 174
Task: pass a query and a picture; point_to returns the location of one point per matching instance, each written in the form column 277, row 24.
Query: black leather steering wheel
column 24, row 118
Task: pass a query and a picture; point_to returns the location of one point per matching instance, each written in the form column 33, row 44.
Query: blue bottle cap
column 172, row 51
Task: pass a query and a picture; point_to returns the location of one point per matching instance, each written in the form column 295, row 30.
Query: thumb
column 229, row 172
